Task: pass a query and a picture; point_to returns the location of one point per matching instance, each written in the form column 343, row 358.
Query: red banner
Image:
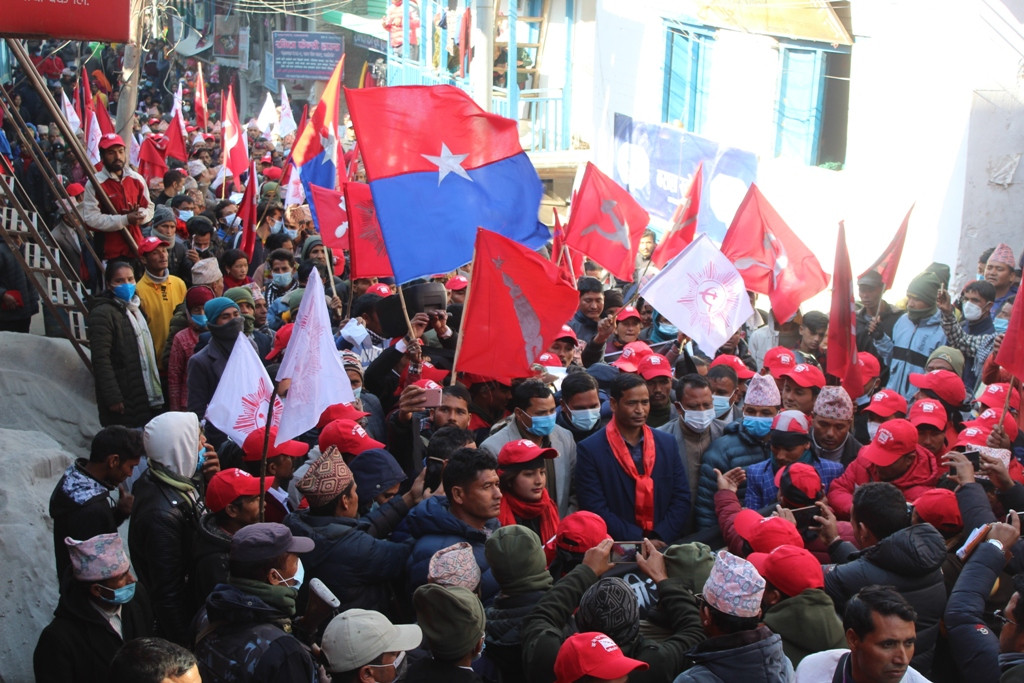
column 103, row 20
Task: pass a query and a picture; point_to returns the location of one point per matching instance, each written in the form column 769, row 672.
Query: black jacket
column 504, row 633
column 116, row 364
column 209, row 565
column 81, row 507
column 428, row 670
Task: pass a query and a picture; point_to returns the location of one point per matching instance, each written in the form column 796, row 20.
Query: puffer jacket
column 808, row 623
column 209, row 564
column 81, row 507
column 351, row 556
column 165, row 519
column 116, row 364
column 750, row 656
column 912, row 344
column 504, row 636
column 920, row 477
column 735, row 448
column 910, row 560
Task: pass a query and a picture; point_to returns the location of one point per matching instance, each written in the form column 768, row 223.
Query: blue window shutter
column 798, row 111
column 678, row 81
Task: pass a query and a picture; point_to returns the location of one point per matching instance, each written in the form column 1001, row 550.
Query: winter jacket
column 559, row 470
column 242, row 639
column 159, row 301
column 820, row 667
column 434, row 527
column 81, row 507
column 351, row 556
column 12, row 277
column 544, row 629
column 209, row 564
column 755, row 656
column 920, row 477
column 79, row 644
column 735, row 448
column 878, row 344
column 910, row 560
column 692, row 447
column 808, row 623
column 761, row 488
column 604, row 488
column 584, row 327
column 116, row 364
column 504, row 635
column 179, row 321
column 912, row 344
column 847, row 454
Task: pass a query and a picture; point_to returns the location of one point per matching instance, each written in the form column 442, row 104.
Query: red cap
column 946, row 385
column 340, row 411
column 789, row 568
column 892, row 441
column 631, row 355
column 972, row 436
column 886, row 403
column 548, row 360
column 778, row 360
column 74, row 189
column 426, row 384
column 994, row 395
column 522, row 451
column 153, row 121
column 595, row 655
column 209, row 137
column 190, row 129
column 765, row 534
column 227, row 485
column 267, row 159
column 109, row 140
column 429, row 371
column 579, row 532
column 568, row 333
column 805, row 375
column 149, row 244
column 939, row 508
column 803, row 477
column 380, row 289
column 734, row 362
column 989, row 418
column 273, row 174
column 627, row 312
column 792, row 422
column 457, row 284
column 253, row 446
column 281, row 340
column 928, row 411
column 654, row 365
column 348, row 436
column 869, row 366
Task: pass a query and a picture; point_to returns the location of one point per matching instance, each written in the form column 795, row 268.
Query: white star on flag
column 448, row 163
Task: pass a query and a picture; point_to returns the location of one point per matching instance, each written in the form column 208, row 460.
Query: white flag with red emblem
column 242, row 398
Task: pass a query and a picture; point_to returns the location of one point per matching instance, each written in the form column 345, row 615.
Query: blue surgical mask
column 277, row 227
column 124, row 291
column 722, row 405
column 584, row 420
column 122, row 595
column 201, row 458
column 541, row 425
column 1001, row 324
column 185, row 215
column 200, row 320
column 282, row 279
column 292, row 234
column 757, row 426
column 667, row 330
column 357, row 392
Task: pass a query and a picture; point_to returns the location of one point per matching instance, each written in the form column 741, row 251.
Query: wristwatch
column 996, row 542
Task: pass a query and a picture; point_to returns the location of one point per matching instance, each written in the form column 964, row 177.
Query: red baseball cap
column 548, row 360
column 802, row 476
column 892, row 441
column 457, row 283
column 631, row 355
column 869, row 366
column 74, row 189
column 805, row 375
column 273, row 174
column 380, row 289
column 227, row 485
column 778, row 360
column 149, row 244
column 568, row 333
column 109, row 140
column 734, row 362
column 348, row 435
column 253, row 446
column 928, row 411
column 267, row 159
column 654, row 365
column 946, row 385
column 972, row 436
column 791, row 421
column 886, row 403
column 426, row 383
column 428, row 371
column 939, row 508
column 765, row 534
column 579, row 532
column 989, row 418
column 522, row 451
column 789, row 568
column 281, row 340
column 627, row 312
column 340, row 411
column 595, row 655
column 994, row 395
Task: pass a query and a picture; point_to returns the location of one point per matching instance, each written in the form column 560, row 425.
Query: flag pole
column 266, row 447
column 636, row 292
column 405, row 309
column 465, row 310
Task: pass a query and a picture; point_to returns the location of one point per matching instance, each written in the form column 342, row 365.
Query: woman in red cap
column 522, row 476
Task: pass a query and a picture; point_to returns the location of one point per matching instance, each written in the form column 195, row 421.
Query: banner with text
column 103, row 20
column 300, row 54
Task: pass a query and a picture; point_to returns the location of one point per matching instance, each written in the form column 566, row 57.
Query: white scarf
column 150, row 374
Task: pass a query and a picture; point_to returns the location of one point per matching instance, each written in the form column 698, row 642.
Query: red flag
column 248, row 213
column 841, row 360
column 152, row 157
column 606, row 223
column 334, row 217
column 175, row 140
column 368, row 256
column 1011, row 350
column 199, row 101
column 890, row 259
column 91, row 104
column 684, row 222
column 516, row 306
column 569, row 261
column 771, row 259
column 234, row 142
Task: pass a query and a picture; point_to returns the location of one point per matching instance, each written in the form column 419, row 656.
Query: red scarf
column 644, row 482
column 513, row 508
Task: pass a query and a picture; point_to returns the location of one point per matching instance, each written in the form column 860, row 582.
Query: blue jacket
column 735, row 448
column 434, row 527
column 761, row 488
column 604, row 488
column 912, row 344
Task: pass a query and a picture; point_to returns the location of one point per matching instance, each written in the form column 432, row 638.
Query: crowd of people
column 637, row 509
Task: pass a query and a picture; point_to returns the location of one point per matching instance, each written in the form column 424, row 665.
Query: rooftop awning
column 814, row 20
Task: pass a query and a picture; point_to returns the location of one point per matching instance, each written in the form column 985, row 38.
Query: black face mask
column 227, row 331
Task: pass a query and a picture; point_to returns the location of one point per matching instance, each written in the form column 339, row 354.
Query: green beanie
column 517, row 560
column 691, row 562
column 925, row 287
column 452, row 619
column 241, row 294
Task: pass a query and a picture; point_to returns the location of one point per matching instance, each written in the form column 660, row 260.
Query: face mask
column 972, row 311
column 863, row 400
column 300, row 574
column 666, row 330
column 277, row 227
column 584, row 420
column 873, row 429
column 199, row 320
column 357, row 392
column 201, row 459
column 757, row 426
column 185, row 215
column 292, row 234
column 698, row 420
column 282, row 279
column 722, row 405
column 979, row 276
column 542, row 425
column 374, row 506
column 250, row 323
column 227, row 331
column 1001, row 324
column 124, row 291
column 121, row 595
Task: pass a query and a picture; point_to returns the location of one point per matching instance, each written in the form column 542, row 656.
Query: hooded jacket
column 912, row 344
column 807, row 623
column 81, row 507
column 750, row 656
column 910, row 560
column 919, row 477
column 165, row 519
column 735, row 448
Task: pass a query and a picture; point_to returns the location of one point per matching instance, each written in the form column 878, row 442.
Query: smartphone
column 626, row 551
column 435, row 466
column 975, row 458
column 433, row 397
column 805, row 516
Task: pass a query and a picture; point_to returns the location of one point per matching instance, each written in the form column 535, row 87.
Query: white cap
column 356, row 637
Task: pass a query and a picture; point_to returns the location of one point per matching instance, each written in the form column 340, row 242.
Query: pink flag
column 242, row 399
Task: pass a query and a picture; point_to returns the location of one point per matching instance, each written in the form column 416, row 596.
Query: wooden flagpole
column 266, row 447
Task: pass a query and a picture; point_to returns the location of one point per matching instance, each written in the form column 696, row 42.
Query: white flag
column 293, row 192
column 287, row 123
column 134, row 149
column 69, row 112
column 701, row 293
column 267, row 117
column 176, row 107
column 313, row 364
column 92, row 136
column 240, row 403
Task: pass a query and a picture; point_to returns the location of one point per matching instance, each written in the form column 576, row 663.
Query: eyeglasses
column 1000, row 616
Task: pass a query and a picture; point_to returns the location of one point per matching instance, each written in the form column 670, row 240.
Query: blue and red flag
column 439, row 167
column 317, row 151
